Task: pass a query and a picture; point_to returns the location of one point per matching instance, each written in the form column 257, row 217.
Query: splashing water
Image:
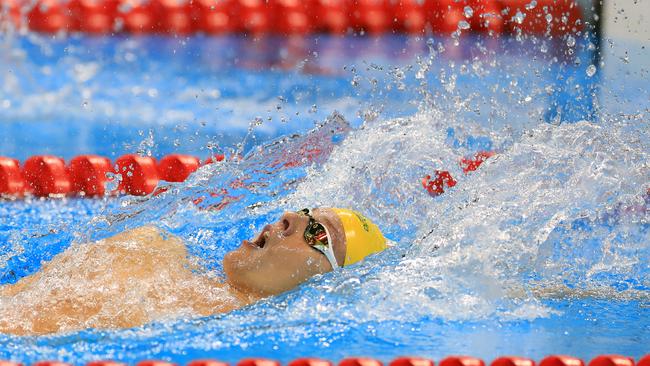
column 558, row 216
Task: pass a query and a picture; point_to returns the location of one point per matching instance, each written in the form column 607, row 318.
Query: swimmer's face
column 279, row 258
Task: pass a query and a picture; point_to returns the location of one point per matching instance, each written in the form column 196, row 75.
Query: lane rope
column 297, row 17
column 88, row 175
column 553, row 360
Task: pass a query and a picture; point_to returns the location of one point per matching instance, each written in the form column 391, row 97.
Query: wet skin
column 144, row 274
column 279, row 258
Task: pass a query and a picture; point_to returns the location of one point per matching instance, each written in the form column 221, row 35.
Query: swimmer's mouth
column 261, row 239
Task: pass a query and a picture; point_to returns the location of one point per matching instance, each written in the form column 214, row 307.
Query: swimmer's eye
column 315, row 233
column 317, row 236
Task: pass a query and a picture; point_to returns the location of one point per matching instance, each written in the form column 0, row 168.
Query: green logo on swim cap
column 364, row 221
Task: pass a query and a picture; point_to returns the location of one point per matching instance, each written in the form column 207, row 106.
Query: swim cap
column 362, row 236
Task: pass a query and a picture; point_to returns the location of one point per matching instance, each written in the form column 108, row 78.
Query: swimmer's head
column 300, row 245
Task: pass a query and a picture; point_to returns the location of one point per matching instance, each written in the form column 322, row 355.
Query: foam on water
column 476, row 248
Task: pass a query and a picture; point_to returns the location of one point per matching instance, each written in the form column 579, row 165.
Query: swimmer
column 145, row 274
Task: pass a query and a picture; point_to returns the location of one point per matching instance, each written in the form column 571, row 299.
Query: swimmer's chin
column 233, row 268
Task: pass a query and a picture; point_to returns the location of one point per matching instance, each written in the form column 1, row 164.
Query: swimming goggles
column 317, row 236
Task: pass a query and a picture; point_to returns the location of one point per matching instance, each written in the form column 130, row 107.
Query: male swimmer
column 145, row 274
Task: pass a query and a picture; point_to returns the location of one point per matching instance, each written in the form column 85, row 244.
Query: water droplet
column 463, row 25
column 519, row 17
column 570, row 41
column 355, row 81
column 591, row 70
column 468, row 11
column 112, row 181
column 543, row 47
column 549, row 18
column 531, row 5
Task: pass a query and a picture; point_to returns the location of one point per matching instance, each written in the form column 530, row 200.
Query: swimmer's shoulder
column 146, row 233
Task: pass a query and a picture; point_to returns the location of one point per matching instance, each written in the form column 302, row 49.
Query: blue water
column 543, row 250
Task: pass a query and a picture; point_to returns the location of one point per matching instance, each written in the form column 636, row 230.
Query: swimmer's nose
column 289, row 222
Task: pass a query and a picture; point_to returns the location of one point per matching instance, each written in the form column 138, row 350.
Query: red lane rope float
column 411, row 361
column 255, row 16
column 51, row 363
column 207, row 362
column 472, row 163
column 461, row 361
column 12, row 8
column 486, row 16
column 331, row 16
column 177, row 167
column 139, row 175
column 309, row 362
column 410, row 16
column 300, row 16
column 612, row 360
column 442, row 179
column 360, row 361
column 557, row 16
column 561, row 360
column 10, row 363
column 553, row 360
column 372, row 16
column 176, row 16
column 155, row 363
column 436, row 185
column 50, row 16
column 294, row 17
column 87, row 175
column 214, row 16
column 47, row 175
column 512, row 361
column 445, row 15
column 105, row 363
column 258, row 362
column 94, row 16
column 12, row 182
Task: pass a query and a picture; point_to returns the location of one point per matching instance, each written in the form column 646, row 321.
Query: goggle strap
column 328, row 250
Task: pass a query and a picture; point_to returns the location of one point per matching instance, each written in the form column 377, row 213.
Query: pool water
column 543, row 250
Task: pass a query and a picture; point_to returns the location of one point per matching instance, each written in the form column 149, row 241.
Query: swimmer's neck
column 244, row 296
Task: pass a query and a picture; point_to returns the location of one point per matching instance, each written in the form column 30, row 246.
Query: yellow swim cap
column 362, row 236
